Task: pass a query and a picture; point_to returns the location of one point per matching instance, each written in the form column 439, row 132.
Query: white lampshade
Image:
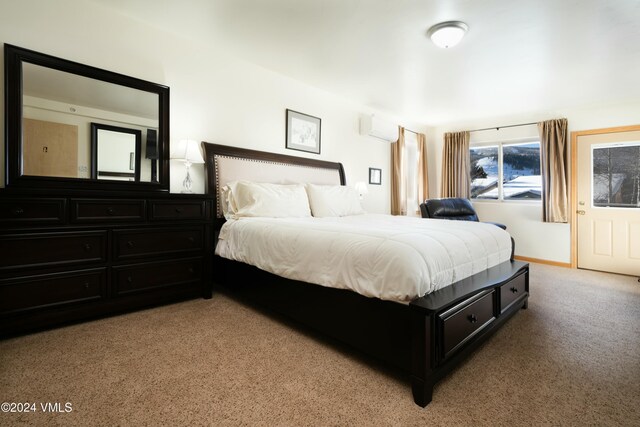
column 447, row 34
column 187, row 150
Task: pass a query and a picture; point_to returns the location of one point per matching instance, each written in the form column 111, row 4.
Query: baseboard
column 543, row 261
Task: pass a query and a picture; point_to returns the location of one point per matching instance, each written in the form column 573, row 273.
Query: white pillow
column 333, row 200
column 227, row 202
column 268, row 200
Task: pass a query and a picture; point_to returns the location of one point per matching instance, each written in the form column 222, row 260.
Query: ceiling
column 518, row 57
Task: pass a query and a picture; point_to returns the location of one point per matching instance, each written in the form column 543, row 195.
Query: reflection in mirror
column 115, row 153
column 49, row 148
column 58, row 110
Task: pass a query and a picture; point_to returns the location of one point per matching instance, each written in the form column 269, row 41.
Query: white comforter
column 387, row 257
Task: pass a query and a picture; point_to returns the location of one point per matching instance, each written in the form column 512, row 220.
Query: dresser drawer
column 512, row 291
column 49, row 290
column 159, row 241
column 141, row 277
column 178, row 210
column 107, row 210
column 465, row 320
column 32, row 211
column 52, row 249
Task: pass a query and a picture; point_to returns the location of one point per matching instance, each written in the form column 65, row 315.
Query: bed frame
column 426, row 338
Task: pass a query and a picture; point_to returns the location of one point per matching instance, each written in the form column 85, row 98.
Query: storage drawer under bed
column 512, row 292
column 462, row 322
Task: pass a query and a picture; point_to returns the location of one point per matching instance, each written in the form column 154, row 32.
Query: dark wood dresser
column 65, row 259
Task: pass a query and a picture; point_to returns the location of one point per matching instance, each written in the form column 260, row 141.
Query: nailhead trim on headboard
column 216, row 165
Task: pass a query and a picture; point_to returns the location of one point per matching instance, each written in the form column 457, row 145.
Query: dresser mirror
column 71, row 125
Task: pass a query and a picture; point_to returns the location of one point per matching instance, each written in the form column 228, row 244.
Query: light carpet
column 572, row 358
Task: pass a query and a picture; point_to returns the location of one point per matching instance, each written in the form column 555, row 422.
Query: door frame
column 574, row 180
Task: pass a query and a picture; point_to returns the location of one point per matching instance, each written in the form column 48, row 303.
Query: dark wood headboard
column 287, row 167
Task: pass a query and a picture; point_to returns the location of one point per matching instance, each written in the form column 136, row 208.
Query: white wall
column 215, row 97
column 524, row 219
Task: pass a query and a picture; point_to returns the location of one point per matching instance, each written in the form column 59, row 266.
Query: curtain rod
column 504, row 127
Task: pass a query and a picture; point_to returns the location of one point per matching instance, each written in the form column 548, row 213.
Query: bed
column 424, row 336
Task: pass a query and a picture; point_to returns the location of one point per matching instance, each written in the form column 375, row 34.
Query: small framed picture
column 303, row 132
column 375, row 176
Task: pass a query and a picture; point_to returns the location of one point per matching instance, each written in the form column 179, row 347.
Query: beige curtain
column 456, row 181
column 555, row 175
column 423, row 178
column 398, row 188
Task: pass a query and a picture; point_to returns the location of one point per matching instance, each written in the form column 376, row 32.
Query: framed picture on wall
column 375, row 176
column 303, row 132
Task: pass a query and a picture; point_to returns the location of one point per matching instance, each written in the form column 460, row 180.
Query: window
column 616, row 175
column 506, row 171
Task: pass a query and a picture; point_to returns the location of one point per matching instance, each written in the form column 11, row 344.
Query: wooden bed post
column 421, row 355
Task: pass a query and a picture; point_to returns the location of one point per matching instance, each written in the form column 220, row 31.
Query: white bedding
column 383, row 256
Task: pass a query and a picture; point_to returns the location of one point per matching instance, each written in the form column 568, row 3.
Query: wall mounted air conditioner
column 378, row 128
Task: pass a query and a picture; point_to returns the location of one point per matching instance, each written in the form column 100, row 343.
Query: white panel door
column 608, row 196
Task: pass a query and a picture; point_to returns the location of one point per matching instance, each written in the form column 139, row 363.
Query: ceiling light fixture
column 447, row 34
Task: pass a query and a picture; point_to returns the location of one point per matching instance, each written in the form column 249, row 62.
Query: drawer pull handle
column 87, row 247
column 514, row 290
column 129, row 280
column 190, row 270
column 130, row 244
column 111, row 211
column 86, row 285
column 18, row 211
column 191, row 239
column 472, row 318
column 178, row 210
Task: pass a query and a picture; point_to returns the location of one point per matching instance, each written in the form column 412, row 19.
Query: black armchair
column 456, row 209
column 451, row 208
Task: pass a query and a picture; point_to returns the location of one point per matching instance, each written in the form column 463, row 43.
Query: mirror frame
column 95, row 128
column 14, row 57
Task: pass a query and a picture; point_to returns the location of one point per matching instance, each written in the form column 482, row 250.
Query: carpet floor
column 572, row 358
